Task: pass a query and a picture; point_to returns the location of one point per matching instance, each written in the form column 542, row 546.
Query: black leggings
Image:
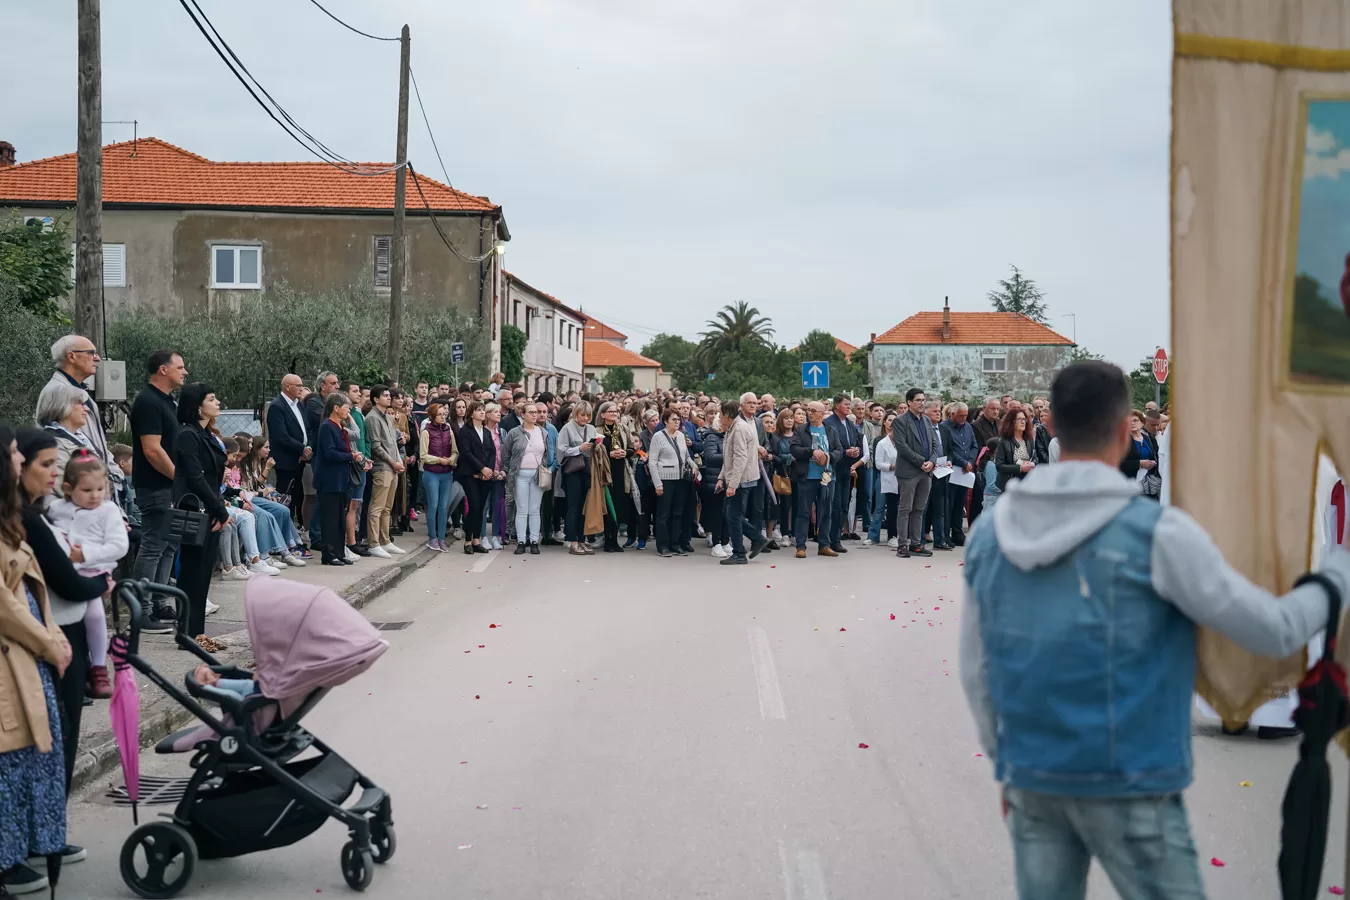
column 333, row 524
column 670, row 509
column 195, row 568
column 475, row 491
column 70, row 692
column 714, row 511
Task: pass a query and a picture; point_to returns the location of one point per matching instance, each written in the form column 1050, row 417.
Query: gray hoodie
column 1055, row 509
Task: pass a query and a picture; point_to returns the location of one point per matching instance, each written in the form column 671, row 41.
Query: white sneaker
column 291, row 559
column 496, row 543
column 868, row 542
column 710, row 541
column 348, row 555
column 262, row 568
column 894, row 543
column 211, row 608
column 726, row 549
column 458, row 533
column 698, row 529
column 379, row 552
column 778, row 536
column 395, row 550
column 238, row 573
column 560, row 535
column 718, row 552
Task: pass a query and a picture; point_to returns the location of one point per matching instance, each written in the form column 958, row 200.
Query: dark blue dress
column 33, row 787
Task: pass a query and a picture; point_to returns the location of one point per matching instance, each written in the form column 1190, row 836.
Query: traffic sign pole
column 1161, row 368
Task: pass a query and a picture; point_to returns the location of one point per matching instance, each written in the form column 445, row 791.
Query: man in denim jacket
column 1078, row 654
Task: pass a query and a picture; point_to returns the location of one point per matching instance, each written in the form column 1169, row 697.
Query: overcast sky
column 839, row 165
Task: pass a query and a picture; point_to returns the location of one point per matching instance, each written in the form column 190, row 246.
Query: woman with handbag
column 528, row 474
column 477, row 454
column 338, row 466
column 712, row 500
column 780, row 469
column 575, row 441
column 671, row 471
column 1141, row 462
column 198, row 476
column 618, row 444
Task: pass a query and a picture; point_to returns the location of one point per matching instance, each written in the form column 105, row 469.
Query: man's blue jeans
column 1144, row 845
column 747, row 499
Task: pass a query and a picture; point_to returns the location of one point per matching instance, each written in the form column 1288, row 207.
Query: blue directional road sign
column 816, row 375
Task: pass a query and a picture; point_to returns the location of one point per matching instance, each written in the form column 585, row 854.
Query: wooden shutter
column 383, row 253
column 114, row 265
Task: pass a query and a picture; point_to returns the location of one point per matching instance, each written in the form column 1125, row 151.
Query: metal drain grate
column 155, row 791
column 391, row 626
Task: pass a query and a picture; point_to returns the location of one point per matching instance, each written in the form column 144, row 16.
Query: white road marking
column 766, row 676
column 803, row 878
column 482, row 562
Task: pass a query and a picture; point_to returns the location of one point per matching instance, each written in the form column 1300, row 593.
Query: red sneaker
column 98, row 686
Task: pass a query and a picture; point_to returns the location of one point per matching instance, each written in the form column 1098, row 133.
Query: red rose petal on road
column 1336, row 889
column 843, row 629
column 1216, row 862
column 481, row 646
column 476, row 697
column 862, row 746
column 492, row 626
column 979, row 755
column 892, row 617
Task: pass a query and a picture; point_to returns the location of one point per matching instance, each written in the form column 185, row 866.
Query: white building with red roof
column 967, row 354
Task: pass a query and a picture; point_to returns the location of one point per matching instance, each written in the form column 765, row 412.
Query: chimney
column 946, row 320
column 6, row 154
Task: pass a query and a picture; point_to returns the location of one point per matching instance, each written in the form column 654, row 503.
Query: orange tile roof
column 993, row 328
column 845, row 347
column 601, row 353
column 597, row 329
column 160, row 174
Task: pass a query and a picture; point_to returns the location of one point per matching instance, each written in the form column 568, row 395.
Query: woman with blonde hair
column 576, row 439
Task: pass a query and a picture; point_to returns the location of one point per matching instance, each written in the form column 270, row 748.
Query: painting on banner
column 1317, row 334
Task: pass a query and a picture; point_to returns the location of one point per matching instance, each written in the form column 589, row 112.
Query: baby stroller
column 260, row 780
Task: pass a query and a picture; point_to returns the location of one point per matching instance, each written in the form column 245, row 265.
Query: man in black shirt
column 154, row 442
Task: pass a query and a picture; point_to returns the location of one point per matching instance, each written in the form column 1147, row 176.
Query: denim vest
column 1090, row 671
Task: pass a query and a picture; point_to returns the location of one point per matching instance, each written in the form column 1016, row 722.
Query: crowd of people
column 343, row 468
column 491, row 467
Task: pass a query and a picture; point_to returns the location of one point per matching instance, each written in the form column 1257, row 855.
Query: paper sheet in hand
column 942, row 471
column 963, row 479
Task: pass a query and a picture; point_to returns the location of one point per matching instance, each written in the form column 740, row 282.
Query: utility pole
column 400, row 202
column 89, row 169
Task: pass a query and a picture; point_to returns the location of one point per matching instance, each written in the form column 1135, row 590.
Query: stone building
column 967, row 354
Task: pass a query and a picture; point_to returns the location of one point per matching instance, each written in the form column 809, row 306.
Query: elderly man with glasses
column 76, row 360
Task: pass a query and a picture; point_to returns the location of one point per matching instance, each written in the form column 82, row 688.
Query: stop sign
column 1160, row 366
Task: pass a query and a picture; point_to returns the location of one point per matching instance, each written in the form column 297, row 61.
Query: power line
column 373, row 37
column 417, row 183
column 427, row 122
column 323, row 152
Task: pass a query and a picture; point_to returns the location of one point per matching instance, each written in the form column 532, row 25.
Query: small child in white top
column 97, row 534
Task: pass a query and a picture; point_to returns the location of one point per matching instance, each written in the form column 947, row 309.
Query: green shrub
column 26, row 338
column 244, row 352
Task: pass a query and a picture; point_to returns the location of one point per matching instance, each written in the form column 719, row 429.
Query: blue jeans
column 437, row 485
column 154, row 559
column 1143, row 844
column 747, row 499
column 282, row 517
column 822, row 497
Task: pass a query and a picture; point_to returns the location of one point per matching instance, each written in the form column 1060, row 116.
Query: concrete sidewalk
column 359, row 584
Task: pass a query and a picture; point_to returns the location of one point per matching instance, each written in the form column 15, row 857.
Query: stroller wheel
column 358, row 866
column 383, row 842
column 158, row 859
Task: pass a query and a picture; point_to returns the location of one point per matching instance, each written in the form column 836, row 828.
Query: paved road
column 644, row 728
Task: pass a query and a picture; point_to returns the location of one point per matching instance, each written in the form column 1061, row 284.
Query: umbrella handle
column 1333, row 609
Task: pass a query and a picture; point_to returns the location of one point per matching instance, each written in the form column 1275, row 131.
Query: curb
column 162, row 716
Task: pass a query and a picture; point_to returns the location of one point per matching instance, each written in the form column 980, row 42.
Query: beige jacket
column 740, row 455
column 23, row 641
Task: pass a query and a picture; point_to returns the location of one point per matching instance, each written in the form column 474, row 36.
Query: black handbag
column 188, row 527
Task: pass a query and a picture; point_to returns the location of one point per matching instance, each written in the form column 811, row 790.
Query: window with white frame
column 382, row 251
column 236, row 267
column 114, row 265
column 995, row 362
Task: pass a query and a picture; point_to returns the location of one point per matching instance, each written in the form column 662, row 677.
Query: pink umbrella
column 125, row 710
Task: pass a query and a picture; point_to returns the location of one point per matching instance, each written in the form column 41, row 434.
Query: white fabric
column 299, row 417
column 885, row 464
column 101, row 534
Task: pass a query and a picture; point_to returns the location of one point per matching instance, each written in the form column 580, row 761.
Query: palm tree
column 730, row 329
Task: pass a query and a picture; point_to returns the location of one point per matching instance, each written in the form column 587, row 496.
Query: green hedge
column 244, row 352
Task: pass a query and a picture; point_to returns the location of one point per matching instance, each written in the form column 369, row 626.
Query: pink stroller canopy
column 306, row 637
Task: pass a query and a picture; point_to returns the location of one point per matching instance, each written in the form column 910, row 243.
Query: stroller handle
column 131, row 594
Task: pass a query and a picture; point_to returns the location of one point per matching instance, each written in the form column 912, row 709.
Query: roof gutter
column 293, row 210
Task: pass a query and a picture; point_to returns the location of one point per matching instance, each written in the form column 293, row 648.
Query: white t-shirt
column 534, row 449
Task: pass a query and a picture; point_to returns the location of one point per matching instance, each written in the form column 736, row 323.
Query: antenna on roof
column 135, row 129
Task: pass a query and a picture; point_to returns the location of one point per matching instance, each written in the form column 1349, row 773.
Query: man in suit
column 850, row 441
column 289, row 441
column 915, row 458
column 813, row 473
